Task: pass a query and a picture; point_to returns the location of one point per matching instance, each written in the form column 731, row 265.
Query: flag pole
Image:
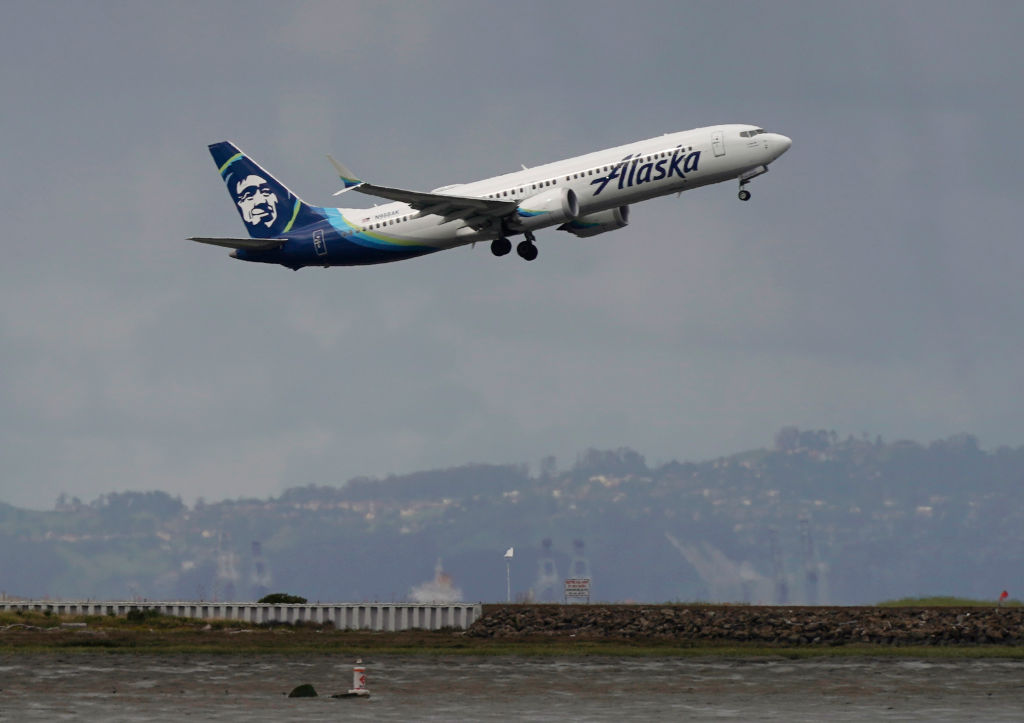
column 508, row 574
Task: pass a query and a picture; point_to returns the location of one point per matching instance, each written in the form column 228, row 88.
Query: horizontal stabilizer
column 249, row 244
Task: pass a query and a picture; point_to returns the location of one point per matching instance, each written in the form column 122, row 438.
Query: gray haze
column 871, row 285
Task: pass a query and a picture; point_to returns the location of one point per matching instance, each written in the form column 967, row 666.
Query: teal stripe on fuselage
column 369, row 240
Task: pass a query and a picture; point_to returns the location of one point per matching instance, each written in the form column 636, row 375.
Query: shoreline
column 691, row 631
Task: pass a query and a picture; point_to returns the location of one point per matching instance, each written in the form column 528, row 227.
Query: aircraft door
column 718, row 143
column 318, row 243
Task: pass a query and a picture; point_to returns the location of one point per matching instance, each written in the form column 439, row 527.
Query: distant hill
column 814, row 519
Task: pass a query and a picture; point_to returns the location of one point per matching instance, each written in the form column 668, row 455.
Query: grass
column 945, row 602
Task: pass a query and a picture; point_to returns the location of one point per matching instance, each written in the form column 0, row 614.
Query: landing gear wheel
column 500, row 246
column 527, row 250
column 744, row 195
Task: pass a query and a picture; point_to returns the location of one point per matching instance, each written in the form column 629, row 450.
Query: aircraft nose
column 782, row 143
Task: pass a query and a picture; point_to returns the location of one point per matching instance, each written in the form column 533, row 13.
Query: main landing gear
column 501, row 246
column 526, row 249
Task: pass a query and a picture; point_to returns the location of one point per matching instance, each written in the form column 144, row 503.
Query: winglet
column 348, row 179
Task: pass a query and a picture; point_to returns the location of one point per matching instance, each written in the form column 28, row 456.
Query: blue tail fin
column 267, row 207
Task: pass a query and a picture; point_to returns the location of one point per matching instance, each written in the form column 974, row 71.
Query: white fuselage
column 723, row 155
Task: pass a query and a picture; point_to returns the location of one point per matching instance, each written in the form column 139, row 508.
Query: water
column 228, row 688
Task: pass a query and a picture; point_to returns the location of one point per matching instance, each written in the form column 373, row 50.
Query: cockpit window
column 751, row 134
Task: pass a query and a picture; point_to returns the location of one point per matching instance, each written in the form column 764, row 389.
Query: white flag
column 508, row 554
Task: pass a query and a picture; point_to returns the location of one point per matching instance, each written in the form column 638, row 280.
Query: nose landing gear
column 747, row 177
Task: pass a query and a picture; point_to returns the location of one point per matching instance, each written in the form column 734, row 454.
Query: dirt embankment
column 749, row 624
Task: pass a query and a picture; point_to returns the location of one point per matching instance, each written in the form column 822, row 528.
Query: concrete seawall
column 387, row 617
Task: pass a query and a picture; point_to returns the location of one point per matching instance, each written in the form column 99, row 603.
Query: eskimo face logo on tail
column 632, row 172
column 257, row 201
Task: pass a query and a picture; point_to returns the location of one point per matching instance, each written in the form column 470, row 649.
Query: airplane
column 586, row 195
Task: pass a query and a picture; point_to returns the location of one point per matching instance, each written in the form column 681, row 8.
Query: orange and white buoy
column 359, row 689
column 359, row 680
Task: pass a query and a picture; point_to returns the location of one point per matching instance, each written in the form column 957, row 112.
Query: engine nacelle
column 594, row 223
column 555, row 205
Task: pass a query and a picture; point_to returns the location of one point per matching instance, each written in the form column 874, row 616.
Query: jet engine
column 555, row 205
column 594, row 223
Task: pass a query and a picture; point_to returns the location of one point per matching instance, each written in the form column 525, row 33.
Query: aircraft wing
column 471, row 209
column 249, row 244
column 451, row 207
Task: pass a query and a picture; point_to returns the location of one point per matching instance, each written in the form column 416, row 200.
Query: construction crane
column 259, row 577
column 580, row 566
column 781, row 586
column 810, row 566
column 547, row 587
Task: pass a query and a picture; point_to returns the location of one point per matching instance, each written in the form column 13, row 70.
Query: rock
column 736, row 623
column 303, row 691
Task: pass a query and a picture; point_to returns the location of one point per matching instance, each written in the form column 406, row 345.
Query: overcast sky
column 872, row 284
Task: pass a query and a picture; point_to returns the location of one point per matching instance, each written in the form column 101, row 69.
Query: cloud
column 868, row 286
